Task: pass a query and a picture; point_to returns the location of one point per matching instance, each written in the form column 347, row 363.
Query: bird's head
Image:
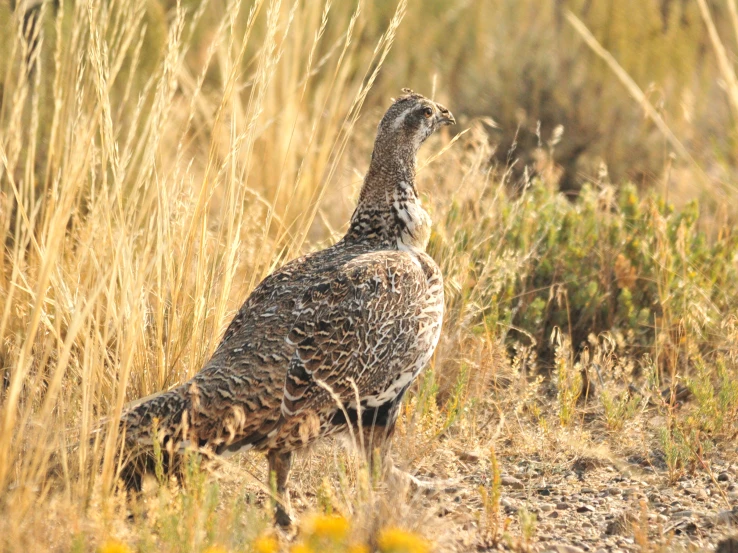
column 389, row 209
column 412, row 118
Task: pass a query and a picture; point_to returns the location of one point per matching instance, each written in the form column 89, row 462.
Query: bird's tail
column 148, row 432
column 153, row 429
column 161, row 417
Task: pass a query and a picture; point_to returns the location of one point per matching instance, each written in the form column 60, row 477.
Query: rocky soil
column 592, row 504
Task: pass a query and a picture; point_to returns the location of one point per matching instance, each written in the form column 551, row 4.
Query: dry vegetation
column 158, row 159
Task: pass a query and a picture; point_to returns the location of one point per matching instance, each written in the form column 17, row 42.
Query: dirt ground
column 560, row 490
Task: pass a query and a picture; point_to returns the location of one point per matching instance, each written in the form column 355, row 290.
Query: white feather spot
column 391, row 393
column 229, row 452
column 400, row 118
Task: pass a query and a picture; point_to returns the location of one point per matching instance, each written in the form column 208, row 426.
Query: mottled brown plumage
column 361, row 317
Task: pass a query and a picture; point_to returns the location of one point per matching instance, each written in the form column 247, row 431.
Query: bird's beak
column 444, row 117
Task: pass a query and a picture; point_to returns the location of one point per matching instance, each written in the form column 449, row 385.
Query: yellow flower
column 358, row 548
column 114, row 546
column 396, row 540
column 300, row 548
column 266, row 544
column 331, row 527
column 216, row 549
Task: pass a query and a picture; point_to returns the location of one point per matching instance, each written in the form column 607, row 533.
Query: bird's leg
column 279, row 471
column 377, row 445
column 377, row 449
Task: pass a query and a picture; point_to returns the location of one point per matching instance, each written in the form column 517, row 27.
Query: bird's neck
column 389, row 211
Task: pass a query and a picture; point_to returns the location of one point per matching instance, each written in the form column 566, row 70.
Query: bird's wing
column 368, row 328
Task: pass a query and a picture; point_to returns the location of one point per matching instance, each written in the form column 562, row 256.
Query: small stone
column 585, row 509
column 513, row 482
column 561, row 505
column 587, row 490
column 468, row 456
column 554, row 514
column 723, row 477
column 562, row 548
column 621, row 524
column 546, row 507
column 614, row 491
column 683, row 514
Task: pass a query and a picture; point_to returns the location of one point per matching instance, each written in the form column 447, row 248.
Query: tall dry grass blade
column 733, row 18
column 384, row 45
column 208, row 182
column 282, row 175
column 726, row 68
column 635, row 91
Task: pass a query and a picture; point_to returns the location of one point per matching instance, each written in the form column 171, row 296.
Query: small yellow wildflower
column 300, row 548
column 266, row 544
column 396, row 540
column 334, row 528
column 114, row 546
column 358, row 548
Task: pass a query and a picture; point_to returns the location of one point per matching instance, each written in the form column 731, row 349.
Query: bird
column 328, row 343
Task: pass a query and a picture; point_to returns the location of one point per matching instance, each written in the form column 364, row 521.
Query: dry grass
column 155, row 166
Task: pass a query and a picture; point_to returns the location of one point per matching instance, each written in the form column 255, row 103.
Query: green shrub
column 608, row 261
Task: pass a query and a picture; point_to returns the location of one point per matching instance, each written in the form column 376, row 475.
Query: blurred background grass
column 159, row 158
column 524, row 65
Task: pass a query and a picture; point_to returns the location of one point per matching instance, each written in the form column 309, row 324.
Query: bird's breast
column 413, row 224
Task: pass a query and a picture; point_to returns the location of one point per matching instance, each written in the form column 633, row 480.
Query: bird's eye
column 427, row 112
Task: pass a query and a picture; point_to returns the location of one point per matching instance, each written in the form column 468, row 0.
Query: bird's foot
column 282, row 517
